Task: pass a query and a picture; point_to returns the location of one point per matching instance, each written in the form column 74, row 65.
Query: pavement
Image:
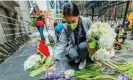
column 124, row 55
column 12, row 68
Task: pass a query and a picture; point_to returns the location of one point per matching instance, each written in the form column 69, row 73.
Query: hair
column 63, row 21
column 55, row 24
column 70, row 9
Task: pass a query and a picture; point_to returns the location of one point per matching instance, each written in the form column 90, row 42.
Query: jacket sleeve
column 60, row 50
column 86, row 23
column 89, row 22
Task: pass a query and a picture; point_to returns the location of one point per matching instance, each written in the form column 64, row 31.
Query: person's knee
column 73, row 54
column 83, row 45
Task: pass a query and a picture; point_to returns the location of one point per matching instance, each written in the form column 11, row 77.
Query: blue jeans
column 40, row 29
column 80, row 51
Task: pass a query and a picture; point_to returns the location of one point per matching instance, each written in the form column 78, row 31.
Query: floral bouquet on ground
column 36, row 64
column 100, row 38
column 109, row 71
column 59, row 75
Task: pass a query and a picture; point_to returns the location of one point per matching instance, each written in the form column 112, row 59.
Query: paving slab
column 12, row 68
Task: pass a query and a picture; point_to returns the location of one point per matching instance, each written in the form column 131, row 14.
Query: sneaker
column 82, row 64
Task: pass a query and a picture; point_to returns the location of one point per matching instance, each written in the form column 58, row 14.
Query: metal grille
column 11, row 28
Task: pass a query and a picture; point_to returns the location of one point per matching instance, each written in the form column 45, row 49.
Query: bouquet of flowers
column 100, row 38
column 32, row 22
column 36, row 17
column 59, row 75
column 36, row 64
column 109, row 71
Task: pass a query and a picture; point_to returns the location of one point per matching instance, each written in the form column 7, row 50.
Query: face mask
column 73, row 26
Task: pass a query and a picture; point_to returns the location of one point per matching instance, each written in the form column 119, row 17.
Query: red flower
column 43, row 49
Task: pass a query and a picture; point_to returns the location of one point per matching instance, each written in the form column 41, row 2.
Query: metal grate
column 11, row 28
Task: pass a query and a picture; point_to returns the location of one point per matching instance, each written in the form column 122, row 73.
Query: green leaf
column 50, row 44
column 32, row 22
column 37, row 71
column 51, row 40
column 42, row 60
column 49, row 59
column 92, row 72
column 101, row 77
column 36, row 66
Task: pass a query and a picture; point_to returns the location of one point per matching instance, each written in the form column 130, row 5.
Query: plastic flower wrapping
column 101, row 37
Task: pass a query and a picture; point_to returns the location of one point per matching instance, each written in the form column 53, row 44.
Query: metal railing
column 11, row 28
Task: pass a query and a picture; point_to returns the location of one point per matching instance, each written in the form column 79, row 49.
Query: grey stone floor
column 124, row 55
column 12, row 67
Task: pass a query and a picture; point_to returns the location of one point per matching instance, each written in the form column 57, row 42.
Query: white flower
column 98, row 24
column 112, row 33
column 105, row 35
column 93, row 26
column 101, row 31
column 102, row 55
column 104, row 29
column 92, row 32
column 31, row 61
column 69, row 73
column 105, row 42
column 89, row 35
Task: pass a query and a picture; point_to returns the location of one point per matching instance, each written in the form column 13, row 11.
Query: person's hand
column 91, row 51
